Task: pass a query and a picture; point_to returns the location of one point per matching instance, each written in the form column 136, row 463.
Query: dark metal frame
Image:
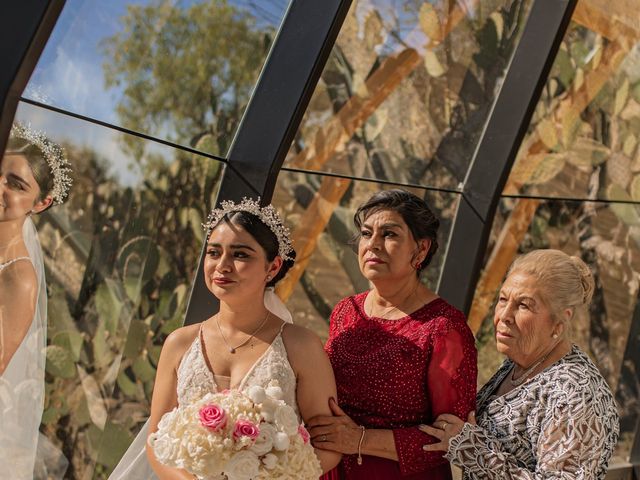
column 273, row 115
column 282, row 95
column 498, row 146
column 25, row 27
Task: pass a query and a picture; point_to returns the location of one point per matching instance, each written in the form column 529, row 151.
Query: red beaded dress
column 397, row 374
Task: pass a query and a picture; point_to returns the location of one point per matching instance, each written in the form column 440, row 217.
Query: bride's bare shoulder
column 180, row 340
column 300, row 340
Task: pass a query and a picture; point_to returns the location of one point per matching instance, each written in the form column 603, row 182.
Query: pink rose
column 213, row 417
column 244, row 428
column 303, row 433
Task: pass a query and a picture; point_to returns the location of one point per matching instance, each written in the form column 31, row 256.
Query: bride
column 247, row 342
column 33, row 176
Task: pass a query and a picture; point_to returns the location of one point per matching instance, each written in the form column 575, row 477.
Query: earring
column 268, row 278
column 418, row 265
column 554, row 336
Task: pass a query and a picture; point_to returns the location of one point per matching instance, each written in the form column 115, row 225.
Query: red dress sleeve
column 451, row 388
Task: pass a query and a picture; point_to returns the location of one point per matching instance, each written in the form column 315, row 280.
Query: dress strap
column 281, row 328
column 11, row 262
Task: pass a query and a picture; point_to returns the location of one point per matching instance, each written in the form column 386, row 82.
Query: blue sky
column 69, row 73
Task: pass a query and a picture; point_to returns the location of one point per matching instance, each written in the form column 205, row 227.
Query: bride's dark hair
column 39, row 167
column 264, row 236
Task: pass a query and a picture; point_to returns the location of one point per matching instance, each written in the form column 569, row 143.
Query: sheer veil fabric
column 134, row 464
column 22, row 383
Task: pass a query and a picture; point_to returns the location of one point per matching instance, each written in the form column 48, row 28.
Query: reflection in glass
column 319, row 211
column 583, row 140
column 407, row 90
column 120, row 256
column 183, row 71
column 599, row 234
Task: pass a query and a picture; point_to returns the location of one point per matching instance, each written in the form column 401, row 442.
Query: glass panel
column 180, row 70
column 320, row 210
column 600, row 235
column 407, row 90
column 120, row 256
column 583, row 140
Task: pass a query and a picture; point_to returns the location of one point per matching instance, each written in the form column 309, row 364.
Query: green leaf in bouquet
column 108, row 304
column 136, row 338
column 59, row 362
column 71, row 341
column 143, row 370
column 101, row 351
column 128, row 387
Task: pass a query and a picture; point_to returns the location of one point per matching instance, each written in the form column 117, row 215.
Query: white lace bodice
column 561, row 424
column 195, row 379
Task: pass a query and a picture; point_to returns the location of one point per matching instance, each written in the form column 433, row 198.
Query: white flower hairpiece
column 54, row 155
column 268, row 215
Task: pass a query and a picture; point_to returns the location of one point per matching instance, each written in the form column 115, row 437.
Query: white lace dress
column 561, row 424
column 195, row 379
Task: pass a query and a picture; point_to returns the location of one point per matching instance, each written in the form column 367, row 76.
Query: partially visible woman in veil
column 33, row 176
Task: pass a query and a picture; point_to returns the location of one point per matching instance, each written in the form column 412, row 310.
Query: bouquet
column 237, row 436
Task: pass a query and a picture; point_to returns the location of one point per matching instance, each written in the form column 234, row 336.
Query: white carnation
column 164, row 448
column 257, row 394
column 244, row 465
column 275, row 391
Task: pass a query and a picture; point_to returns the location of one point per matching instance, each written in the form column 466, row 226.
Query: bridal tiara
column 268, row 215
column 54, row 156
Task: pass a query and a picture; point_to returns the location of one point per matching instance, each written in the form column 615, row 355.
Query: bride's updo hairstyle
column 264, row 236
column 564, row 281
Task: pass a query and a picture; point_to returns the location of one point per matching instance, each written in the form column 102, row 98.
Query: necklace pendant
column 232, row 350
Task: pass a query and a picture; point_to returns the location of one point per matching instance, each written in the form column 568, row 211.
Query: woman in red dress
column 401, row 354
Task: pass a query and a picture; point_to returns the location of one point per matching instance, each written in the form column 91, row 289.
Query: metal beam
column 25, row 27
column 498, row 146
column 272, row 118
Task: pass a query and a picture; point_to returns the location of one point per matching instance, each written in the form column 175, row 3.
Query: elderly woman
column 547, row 412
column 401, row 355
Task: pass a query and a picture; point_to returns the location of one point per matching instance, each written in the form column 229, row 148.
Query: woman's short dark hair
column 415, row 212
column 37, row 162
column 264, row 236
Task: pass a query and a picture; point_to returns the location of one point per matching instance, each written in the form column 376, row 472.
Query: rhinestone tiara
column 268, row 215
column 53, row 154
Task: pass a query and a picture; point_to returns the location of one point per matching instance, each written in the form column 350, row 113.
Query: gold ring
column 444, row 424
column 323, row 438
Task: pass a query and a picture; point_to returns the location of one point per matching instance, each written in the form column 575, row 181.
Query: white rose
column 242, row 466
column 264, row 442
column 256, row 393
column 275, row 391
column 281, row 441
column 164, row 447
column 270, row 461
column 286, row 419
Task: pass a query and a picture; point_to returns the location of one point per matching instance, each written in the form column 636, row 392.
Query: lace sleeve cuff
column 466, row 440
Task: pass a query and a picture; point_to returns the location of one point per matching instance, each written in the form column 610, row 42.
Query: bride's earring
column 268, row 278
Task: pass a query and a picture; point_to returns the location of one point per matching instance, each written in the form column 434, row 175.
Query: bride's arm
column 18, row 292
column 316, row 383
column 165, row 396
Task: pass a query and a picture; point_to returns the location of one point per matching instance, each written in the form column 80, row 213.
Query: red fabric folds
column 397, row 374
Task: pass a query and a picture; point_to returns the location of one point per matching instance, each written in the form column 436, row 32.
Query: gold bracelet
column 360, row 445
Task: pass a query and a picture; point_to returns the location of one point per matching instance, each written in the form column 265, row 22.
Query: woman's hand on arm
column 341, row 434
column 444, row 428
column 315, row 382
column 165, row 396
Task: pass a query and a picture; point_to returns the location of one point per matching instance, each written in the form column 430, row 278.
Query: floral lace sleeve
column 573, row 443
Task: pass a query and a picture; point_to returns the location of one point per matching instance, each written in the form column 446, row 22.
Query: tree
column 186, row 71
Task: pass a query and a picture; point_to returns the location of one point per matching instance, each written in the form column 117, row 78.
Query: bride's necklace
column 516, row 382
column 233, row 349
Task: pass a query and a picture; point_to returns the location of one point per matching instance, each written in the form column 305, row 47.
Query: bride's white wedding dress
column 196, row 378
